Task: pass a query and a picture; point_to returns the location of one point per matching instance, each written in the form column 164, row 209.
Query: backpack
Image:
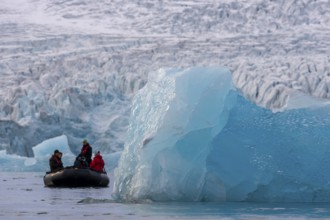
column 81, row 162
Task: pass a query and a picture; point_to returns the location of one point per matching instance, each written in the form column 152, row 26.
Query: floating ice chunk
column 174, row 120
column 47, row 147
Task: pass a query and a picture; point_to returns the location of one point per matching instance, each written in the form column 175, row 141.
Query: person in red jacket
column 97, row 163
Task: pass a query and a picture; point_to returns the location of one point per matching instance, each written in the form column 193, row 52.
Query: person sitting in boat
column 97, row 163
column 86, row 151
column 80, row 162
column 55, row 162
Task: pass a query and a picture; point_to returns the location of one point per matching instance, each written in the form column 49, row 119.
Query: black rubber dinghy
column 76, row 177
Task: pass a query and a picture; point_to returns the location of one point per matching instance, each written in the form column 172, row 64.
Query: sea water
column 24, row 196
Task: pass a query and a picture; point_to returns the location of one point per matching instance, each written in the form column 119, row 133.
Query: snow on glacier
column 193, row 137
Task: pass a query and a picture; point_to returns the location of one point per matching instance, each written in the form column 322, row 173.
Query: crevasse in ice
column 193, row 137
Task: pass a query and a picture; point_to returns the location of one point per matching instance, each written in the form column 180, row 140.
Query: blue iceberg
column 194, row 137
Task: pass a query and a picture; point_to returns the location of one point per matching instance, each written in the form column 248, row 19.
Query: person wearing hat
column 86, row 151
column 55, row 162
column 97, row 163
column 80, row 162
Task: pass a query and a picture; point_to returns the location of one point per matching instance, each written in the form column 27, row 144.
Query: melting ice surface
column 193, row 137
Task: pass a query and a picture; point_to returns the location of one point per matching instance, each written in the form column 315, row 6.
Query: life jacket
column 55, row 163
column 84, row 149
column 58, row 160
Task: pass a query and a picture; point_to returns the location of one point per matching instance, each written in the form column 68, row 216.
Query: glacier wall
column 193, row 137
column 71, row 67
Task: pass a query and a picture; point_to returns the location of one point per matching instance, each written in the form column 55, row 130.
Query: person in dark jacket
column 86, row 151
column 97, row 163
column 80, row 162
column 55, row 162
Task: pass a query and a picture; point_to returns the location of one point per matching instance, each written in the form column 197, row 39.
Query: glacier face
column 193, row 137
column 72, row 67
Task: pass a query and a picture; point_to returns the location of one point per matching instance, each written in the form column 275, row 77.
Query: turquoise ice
column 193, row 137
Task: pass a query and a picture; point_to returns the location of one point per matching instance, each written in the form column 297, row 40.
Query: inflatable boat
column 76, row 177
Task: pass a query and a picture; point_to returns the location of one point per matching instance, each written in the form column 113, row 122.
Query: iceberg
column 174, row 119
column 40, row 161
column 194, row 137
